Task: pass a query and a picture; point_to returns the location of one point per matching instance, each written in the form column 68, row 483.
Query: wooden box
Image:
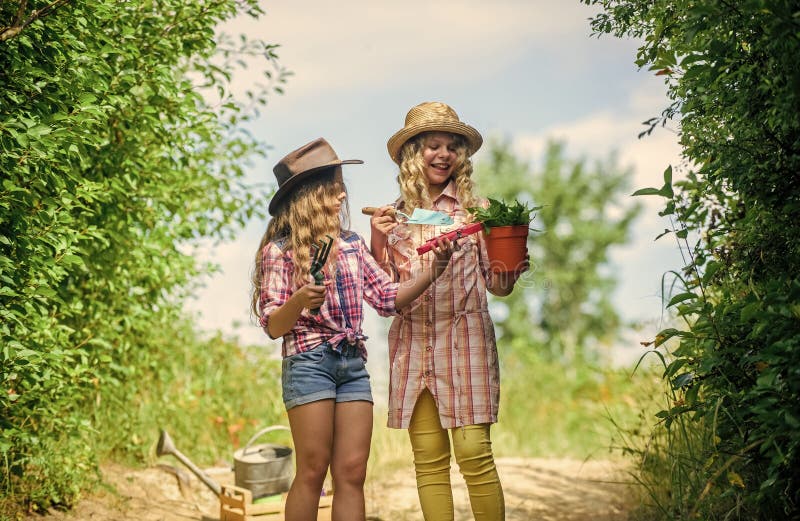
column 236, row 504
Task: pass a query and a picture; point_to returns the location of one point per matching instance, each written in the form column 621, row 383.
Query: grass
column 390, row 451
column 210, row 398
column 681, row 472
column 549, row 410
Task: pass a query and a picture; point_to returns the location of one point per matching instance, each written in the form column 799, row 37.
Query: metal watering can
column 265, row 469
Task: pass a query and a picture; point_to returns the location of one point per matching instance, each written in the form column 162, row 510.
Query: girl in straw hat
column 444, row 371
column 326, row 387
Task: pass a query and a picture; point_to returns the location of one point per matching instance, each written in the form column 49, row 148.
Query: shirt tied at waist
column 352, row 336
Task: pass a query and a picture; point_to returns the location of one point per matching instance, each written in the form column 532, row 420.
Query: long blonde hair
column 299, row 222
column 414, row 186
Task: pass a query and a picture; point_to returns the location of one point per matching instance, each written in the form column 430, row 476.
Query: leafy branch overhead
column 500, row 213
column 21, row 21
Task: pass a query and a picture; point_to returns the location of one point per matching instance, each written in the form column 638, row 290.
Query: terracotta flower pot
column 507, row 247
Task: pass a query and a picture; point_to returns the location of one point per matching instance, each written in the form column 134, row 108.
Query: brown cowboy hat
column 432, row 116
column 311, row 158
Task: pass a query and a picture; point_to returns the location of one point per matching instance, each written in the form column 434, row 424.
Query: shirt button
column 428, row 322
column 429, row 348
column 427, row 373
column 427, row 298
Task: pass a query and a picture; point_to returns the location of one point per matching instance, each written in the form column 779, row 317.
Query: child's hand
column 312, row 296
column 380, row 223
column 526, row 264
column 443, row 251
column 414, row 287
column 502, row 284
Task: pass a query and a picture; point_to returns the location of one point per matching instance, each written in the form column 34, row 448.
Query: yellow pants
column 473, row 451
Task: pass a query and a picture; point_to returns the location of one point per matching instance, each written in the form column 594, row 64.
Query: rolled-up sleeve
column 380, row 291
column 276, row 272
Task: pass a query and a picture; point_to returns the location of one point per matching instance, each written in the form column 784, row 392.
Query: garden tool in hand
column 319, row 257
column 454, row 235
column 418, row 216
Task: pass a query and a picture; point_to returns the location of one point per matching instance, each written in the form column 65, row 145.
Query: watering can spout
column 167, row 447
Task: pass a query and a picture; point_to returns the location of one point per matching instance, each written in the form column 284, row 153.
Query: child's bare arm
column 381, row 223
column 413, row 288
column 283, row 319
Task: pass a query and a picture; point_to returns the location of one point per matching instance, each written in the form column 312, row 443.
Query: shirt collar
column 449, row 191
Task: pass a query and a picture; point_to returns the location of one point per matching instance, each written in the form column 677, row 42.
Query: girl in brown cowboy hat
column 444, row 371
column 326, row 387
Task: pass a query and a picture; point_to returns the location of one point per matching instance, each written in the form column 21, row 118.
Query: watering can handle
column 263, row 431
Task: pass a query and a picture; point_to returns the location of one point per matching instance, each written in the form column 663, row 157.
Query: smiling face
column 439, row 157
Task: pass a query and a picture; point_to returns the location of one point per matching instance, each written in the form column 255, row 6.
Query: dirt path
column 535, row 489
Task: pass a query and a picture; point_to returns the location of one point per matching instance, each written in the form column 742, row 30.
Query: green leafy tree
column 734, row 93
column 112, row 164
column 563, row 305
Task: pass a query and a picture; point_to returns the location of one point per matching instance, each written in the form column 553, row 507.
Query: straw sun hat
column 432, row 116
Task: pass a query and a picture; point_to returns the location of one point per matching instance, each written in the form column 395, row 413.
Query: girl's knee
column 477, row 464
column 472, row 448
column 312, row 472
column 350, row 470
column 431, row 452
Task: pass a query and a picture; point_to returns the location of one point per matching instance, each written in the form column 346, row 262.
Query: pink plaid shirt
column 445, row 340
column 358, row 279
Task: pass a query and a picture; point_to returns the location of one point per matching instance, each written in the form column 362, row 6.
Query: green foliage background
column 730, row 439
column 562, row 307
column 113, row 164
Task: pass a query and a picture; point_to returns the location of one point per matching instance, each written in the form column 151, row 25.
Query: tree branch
column 8, row 32
column 20, row 12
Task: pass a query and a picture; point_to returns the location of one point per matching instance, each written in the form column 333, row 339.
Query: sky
column 527, row 71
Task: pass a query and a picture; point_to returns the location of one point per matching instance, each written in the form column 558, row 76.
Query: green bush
column 733, row 81
column 112, row 165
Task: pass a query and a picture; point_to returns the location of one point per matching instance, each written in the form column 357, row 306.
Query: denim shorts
column 322, row 373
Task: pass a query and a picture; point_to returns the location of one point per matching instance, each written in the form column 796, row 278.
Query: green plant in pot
column 505, row 227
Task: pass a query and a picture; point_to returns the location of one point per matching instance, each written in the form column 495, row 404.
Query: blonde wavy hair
column 414, row 185
column 300, row 222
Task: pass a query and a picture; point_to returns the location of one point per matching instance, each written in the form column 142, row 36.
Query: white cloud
column 597, row 134
column 333, row 45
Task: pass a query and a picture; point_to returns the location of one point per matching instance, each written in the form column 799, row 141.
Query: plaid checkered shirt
column 445, row 340
column 359, row 279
